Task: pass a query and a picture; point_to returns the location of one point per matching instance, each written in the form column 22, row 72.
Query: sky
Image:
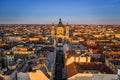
column 49, row 11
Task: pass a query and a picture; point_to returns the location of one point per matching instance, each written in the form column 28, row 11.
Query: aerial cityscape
column 59, row 40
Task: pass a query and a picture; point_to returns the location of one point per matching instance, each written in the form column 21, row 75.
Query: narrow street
column 59, row 66
column 60, row 73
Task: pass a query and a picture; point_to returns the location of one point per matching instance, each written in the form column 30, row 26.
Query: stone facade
column 60, row 31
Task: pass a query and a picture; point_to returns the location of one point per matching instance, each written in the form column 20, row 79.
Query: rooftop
column 115, row 62
column 75, row 68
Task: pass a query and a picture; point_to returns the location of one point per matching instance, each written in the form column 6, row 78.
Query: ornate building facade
column 60, row 31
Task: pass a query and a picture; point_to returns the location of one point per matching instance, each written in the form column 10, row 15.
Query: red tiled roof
column 71, row 70
column 69, row 54
column 75, row 68
column 113, row 53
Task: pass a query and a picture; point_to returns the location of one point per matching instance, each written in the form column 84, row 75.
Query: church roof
column 60, row 23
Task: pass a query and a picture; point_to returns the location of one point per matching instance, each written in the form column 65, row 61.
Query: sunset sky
column 48, row 11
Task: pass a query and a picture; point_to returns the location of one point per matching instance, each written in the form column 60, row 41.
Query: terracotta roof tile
column 75, row 68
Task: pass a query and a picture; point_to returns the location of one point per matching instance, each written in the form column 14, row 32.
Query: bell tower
column 67, row 31
column 53, row 30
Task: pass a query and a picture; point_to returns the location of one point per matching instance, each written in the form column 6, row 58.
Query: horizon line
column 49, row 24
